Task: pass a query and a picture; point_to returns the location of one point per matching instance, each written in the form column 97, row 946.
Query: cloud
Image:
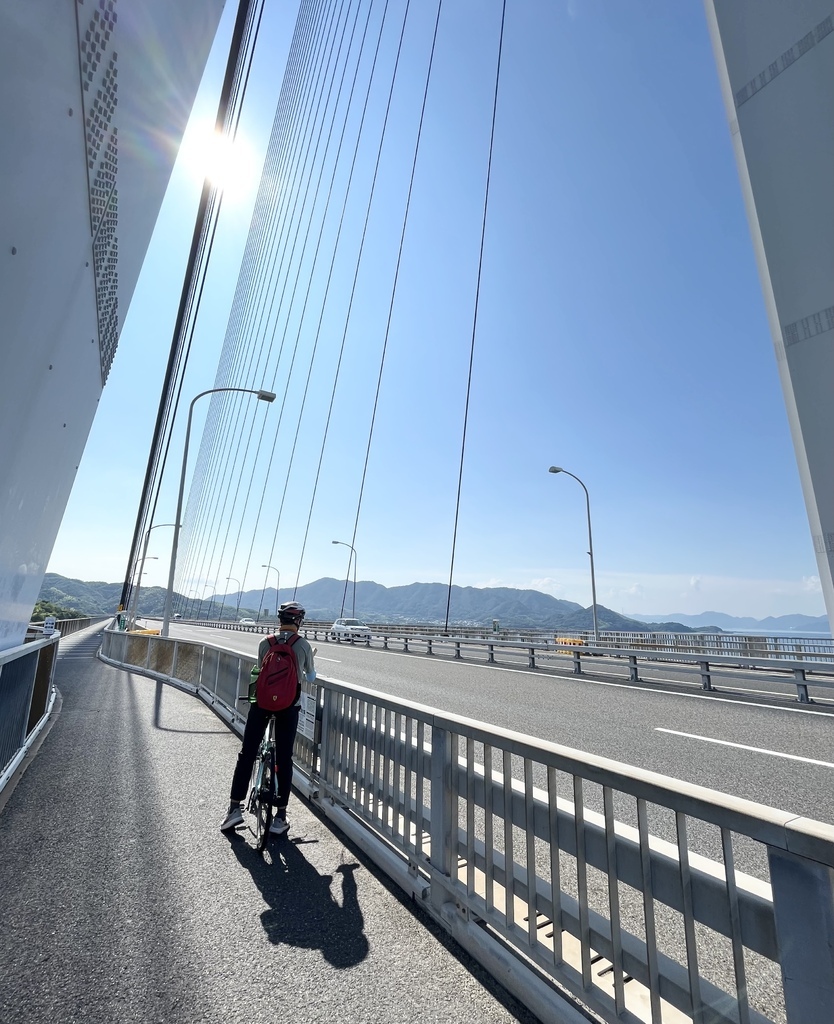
column 811, row 584
column 548, row 585
column 694, row 582
column 494, row 582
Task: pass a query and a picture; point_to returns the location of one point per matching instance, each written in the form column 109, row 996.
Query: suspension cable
column 475, row 314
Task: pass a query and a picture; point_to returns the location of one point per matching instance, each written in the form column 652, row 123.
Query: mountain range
column 417, row 603
column 772, row 624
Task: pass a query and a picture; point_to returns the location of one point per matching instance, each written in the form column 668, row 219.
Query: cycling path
column 120, row 899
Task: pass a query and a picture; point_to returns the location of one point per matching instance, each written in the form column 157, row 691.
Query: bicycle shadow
column 303, row 910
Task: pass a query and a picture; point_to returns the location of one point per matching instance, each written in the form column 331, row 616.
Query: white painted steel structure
column 96, row 95
column 776, row 67
column 519, row 848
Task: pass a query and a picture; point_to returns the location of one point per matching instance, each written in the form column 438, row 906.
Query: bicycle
column 264, row 785
column 262, row 789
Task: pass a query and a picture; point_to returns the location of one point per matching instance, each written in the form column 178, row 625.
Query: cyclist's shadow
column 302, row 909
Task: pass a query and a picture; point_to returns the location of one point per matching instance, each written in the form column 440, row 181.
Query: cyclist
column 290, row 617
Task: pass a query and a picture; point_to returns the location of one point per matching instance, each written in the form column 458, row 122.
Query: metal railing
column 67, row 626
column 811, row 669
column 563, row 872
column 26, row 697
column 703, row 669
column 744, row 647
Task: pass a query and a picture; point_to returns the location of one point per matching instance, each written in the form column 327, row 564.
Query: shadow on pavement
column 302, row 909
column 157, row 717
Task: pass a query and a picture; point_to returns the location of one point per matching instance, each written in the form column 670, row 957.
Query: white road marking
column 335, row 661
column 744, row 746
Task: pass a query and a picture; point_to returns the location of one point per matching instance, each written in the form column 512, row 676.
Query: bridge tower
column 776, row 67
column 96, row 95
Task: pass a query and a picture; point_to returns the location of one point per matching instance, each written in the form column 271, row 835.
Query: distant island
column 772, row 624
column 414, row 604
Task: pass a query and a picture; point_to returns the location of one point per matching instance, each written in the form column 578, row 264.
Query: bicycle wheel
column 254, row 784
column 263, row 799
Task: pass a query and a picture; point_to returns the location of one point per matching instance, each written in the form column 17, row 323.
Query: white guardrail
column 808, row 668
column 572, row 878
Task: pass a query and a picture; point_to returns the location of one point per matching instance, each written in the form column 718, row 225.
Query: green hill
column 326, row 599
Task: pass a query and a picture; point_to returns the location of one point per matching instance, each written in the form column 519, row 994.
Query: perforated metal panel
column 98, row 64
column 89, row 138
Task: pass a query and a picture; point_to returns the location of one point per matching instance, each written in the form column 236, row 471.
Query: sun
column 229, row 164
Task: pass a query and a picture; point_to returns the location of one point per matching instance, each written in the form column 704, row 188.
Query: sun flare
column 229, row 164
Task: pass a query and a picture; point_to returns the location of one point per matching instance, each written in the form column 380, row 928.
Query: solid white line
column 334, row 660
column 744, row 746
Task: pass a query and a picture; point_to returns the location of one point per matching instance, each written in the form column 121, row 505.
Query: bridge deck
column 121, row 899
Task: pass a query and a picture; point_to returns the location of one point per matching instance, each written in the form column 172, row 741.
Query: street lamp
column 353, row 550
column 262, row 396
column 237, row 608
column 134, row 602
column 558, row 469
column 277, row 591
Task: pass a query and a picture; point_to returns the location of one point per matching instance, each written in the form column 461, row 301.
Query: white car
column 347, row 628
column 248, row 622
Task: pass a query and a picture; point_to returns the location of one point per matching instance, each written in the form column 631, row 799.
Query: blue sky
column 621, row 334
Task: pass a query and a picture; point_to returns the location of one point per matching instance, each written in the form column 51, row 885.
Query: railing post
column 706, row 678
column 443, row 823
column 577, row 665
column 326, row 737
column 405, row 644
column 803, row 905
column 801, row 686
column 429, row 646
column 531, row 658
column 457, row 648
column 633, row 674
column 491, row 658
column 385, row 642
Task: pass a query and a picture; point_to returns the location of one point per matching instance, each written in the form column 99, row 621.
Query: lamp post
column 139, row 572
column 134, row 602
column 262, row 396
column 237, row 607
column 558, row 469
column 353, row 551
column 277, row 590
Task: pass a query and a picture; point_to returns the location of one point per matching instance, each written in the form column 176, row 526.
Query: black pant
column 286, row 724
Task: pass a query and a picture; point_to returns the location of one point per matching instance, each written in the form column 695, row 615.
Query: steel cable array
column 302, row 301
column 232, row 95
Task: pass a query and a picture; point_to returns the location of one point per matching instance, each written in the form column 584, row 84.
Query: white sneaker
column 232, row 819
column 279, row 826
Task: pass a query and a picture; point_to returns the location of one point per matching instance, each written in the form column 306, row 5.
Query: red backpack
column 277, row 684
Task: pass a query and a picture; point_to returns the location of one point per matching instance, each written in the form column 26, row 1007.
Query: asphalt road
column 121, row 900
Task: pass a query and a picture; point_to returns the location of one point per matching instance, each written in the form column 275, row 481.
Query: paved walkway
column 122, row 902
